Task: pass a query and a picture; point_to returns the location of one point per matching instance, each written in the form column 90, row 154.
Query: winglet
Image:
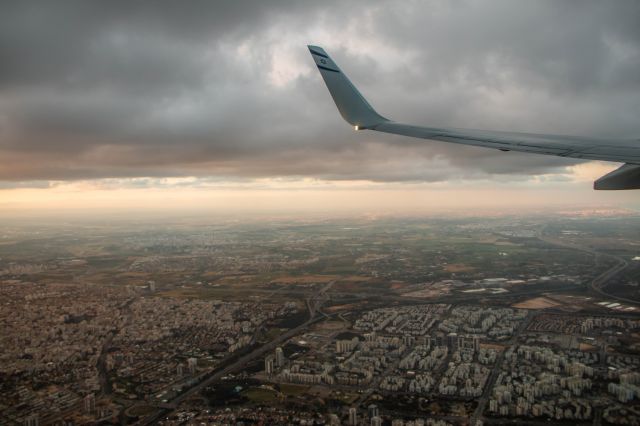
column 625, row 177
column 353, row 107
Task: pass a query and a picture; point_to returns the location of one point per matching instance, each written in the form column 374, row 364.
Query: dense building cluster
column 568, row 324
column 455, row 356
column 53, row 336
column 413, row 320
column 63, row 342
column 279, row 416
column 318, row 323
column 396, row 351
column 495, row 323
column 167, row 342
column 539, row 382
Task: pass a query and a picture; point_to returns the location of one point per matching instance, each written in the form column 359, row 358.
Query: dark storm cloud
column 124, row 89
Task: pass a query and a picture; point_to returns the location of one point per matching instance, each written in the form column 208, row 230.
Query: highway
column 101, row 365
column 599, row 283
column 314, row 303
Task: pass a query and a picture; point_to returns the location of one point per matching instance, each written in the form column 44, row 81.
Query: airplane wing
column 355, row 109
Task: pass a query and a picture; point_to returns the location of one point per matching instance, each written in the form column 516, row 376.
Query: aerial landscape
column 217, row 213
column 455, row 321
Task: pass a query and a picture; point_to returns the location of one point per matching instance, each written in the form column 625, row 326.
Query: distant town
column 378, row 321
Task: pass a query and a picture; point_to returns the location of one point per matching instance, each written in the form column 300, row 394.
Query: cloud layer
column 117, row 89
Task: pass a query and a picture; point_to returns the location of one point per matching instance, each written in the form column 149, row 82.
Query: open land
column 456, row 321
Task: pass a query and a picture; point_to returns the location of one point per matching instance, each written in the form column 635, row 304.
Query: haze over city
column 190, row 233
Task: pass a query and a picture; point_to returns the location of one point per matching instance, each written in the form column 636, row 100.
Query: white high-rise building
column 279, row 357
column 373, row 411
column 353, row 416
column 89, row 403
column 376, row 421
column 192, row 363
column 32, row 420
column 269, row 363
column 343, row 346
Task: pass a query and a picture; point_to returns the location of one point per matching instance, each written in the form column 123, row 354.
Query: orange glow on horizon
column 309, row 195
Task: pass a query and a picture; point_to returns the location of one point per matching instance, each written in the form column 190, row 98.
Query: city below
column 373, row 321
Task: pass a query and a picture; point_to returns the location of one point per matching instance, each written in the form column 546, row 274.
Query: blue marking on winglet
column 327, row 69
column 318, row 53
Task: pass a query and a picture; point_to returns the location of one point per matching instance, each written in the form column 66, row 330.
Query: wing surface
column 355, row 109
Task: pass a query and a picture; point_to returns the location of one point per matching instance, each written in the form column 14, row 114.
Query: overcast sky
column 227, row 91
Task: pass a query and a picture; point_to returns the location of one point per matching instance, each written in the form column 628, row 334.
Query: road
column 237, row 365
column 599, row 283
column 314, row 303
column 493, row 376
column 101, row 365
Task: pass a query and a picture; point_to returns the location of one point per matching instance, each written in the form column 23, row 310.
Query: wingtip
column 352, row 105
column 316, row 49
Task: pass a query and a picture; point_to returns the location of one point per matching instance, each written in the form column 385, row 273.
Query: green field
column 261, row 395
